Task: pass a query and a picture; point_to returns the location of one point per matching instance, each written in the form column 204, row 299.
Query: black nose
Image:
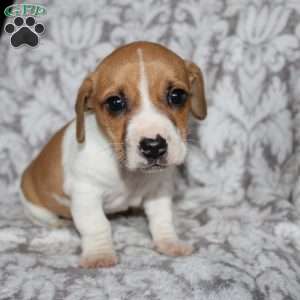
column 153, row 148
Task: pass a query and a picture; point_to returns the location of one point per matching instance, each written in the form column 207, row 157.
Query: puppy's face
column 142, row 95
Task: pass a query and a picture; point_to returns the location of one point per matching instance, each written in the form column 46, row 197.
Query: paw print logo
column 24, row 32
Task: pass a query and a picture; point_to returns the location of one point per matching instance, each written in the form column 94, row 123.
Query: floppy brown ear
column 198, row 101
column 83, row 104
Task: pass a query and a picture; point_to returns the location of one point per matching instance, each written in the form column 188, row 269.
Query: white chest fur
column 95, row 163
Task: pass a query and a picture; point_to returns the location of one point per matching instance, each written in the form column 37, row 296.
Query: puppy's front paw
column 173, row 248
column 98, row 261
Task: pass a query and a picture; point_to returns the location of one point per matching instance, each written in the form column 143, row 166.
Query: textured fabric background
column 243, row 162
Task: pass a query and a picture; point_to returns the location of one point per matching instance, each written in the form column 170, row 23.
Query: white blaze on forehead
column 143, row 86
column 149, row 122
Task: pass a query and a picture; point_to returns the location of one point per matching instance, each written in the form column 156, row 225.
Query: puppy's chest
column 124, row 195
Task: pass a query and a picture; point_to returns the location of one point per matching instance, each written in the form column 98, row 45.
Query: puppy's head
column 142, row 94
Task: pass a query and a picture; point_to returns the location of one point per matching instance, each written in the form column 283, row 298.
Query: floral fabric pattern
column 240, row 196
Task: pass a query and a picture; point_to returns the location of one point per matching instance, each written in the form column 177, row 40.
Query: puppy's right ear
column 83, row 104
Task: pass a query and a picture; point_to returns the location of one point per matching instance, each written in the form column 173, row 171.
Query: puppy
column 121, row 151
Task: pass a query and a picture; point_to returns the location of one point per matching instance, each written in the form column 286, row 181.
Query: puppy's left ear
column 198, row 101
column 83, row 104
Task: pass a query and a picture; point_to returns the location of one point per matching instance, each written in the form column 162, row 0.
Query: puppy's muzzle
column 153, row 149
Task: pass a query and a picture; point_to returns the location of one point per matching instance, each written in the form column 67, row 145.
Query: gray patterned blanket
column 239, row 199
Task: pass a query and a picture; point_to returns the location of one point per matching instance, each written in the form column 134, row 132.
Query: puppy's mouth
column 154, row 167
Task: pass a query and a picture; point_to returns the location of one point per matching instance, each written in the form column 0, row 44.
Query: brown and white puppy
column 131, row 120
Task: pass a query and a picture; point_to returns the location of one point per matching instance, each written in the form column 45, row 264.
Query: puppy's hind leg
column 42, row 216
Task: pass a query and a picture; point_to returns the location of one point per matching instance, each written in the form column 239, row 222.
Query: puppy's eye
column 116, row 104
column 177, row 97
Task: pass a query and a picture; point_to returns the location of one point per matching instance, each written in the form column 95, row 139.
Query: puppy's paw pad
column 103, row 261
column 174, row 248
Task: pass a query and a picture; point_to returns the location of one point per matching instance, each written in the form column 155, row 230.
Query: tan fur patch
column 116, row 83
column 44, row 177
